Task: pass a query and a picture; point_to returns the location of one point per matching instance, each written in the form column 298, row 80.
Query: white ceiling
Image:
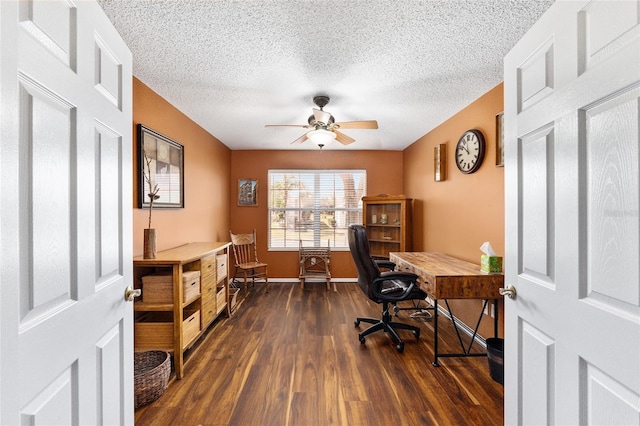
column 233, row 66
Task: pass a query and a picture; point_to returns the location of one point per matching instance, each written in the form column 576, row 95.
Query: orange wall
column 384, row 176
column 207, row 164
column 457, row 215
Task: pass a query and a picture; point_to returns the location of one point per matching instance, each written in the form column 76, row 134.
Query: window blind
column 314, row 206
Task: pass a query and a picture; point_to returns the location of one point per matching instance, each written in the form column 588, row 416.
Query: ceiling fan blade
column 321, row 116
column 365, row 124
column 342, row 138
column 306, row 126
column 300, row 139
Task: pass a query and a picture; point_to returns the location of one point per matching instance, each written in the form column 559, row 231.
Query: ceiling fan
column 325, row 128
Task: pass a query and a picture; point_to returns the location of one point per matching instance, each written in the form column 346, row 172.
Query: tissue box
column 490, row 264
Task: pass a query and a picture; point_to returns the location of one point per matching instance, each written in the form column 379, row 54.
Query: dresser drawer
column 209, row 312
column 208, row 288
column 190, row 328
column 221, row 266
column 158, row 288
column 154, row 330
column 208, row 266
column 221, row 299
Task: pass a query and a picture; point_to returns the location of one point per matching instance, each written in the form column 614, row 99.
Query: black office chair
column 419, row 309
column 386, row 288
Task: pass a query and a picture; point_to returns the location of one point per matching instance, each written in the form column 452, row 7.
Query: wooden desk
column 445, row 277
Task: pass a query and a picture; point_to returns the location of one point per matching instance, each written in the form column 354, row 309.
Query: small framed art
column 247, row 192
column 161, row 165
column 500, row 140
column 440, row 162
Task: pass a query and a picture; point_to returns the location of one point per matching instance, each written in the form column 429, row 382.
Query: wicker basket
column 151, row 375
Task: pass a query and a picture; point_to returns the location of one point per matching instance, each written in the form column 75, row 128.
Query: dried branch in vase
column 153, row 193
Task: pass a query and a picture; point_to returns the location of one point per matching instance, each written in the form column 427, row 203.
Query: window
column 314, row 206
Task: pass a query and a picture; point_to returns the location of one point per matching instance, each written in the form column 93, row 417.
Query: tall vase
column 150, row 243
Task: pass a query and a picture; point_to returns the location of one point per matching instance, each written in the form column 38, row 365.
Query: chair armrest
column 407, row 277
column 386, row 264
column 398, row 275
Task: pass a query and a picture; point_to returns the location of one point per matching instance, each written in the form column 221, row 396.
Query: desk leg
column 495, row 318
column 435, row 333
column 466, row 351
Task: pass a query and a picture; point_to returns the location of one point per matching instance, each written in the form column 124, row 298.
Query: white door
column 572, row 151
column 66, row 354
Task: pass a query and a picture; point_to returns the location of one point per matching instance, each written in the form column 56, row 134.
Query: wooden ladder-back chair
column 245, row 254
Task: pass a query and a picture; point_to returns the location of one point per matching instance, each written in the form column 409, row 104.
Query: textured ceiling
column 234, row 66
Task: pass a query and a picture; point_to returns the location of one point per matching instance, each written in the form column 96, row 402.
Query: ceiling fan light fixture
column 321, row 137
column 325, row 126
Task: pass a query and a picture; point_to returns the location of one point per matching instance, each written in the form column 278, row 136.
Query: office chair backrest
column 367, row 268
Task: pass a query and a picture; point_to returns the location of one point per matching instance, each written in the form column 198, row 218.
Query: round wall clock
column 470, row 151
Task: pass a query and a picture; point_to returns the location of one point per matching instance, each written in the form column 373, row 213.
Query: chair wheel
column 400, row 347
column 357, row 322
column 361, row 338
column 416, row 333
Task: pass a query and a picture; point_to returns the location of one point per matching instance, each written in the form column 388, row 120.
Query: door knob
column 510, row 292
column 131, row 293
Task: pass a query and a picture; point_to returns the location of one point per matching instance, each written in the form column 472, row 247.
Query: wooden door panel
column 108, row 73
column 67, row 337
column 537, row 205
column 572, row 186
column 107, row 229
column 536, row 76
column 610, row 178
column 608, row 278
column 605, row 29
column 610, row 403
column 53, row 25
column 54, row 403
column 46, row 143
column 537, row 396
column 109, row 379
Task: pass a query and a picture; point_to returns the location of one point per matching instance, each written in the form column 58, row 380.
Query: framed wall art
column 248, row 192
column 440, row 162
column 161, row 163
column 500, row 140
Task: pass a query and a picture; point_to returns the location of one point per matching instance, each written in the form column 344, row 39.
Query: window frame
column 318, row 209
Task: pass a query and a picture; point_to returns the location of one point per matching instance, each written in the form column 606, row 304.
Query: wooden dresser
column 176, row 323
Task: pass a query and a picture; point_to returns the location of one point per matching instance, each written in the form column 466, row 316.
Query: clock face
column 470, row 151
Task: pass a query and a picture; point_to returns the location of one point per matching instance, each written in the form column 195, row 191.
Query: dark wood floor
column 292, row 357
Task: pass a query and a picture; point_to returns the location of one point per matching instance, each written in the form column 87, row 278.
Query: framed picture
column 161, row 164
column 500, row 140
column 440, row 162
column 248, row 192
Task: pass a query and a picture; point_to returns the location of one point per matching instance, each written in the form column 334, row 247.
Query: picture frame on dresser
column 247, row 192
column 162, row 159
